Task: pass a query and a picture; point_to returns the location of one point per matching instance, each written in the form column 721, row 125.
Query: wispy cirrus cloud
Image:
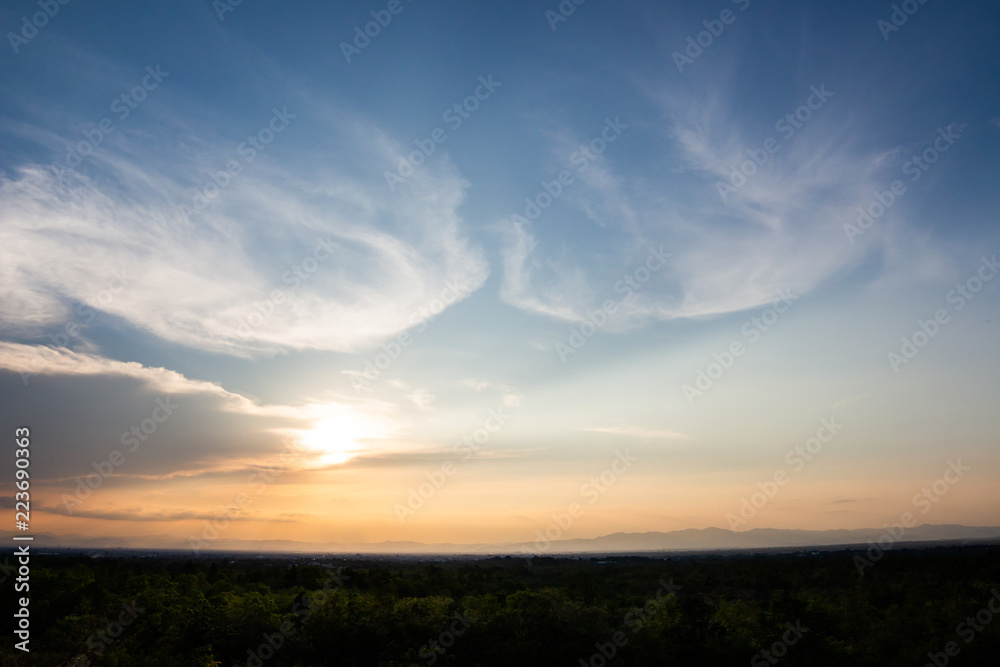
column 144, row 514
column 300, row 249
column 781, row 228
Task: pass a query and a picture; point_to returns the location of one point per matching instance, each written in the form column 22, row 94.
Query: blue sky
column 258, row 305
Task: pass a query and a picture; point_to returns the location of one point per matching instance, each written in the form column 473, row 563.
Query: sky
column 466, row 272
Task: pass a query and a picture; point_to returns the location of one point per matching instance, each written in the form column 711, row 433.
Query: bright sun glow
column 339, row 439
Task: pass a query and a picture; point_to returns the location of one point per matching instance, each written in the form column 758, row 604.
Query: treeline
column 733, row 610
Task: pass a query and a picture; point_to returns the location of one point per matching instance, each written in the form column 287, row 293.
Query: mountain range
column 691, row 539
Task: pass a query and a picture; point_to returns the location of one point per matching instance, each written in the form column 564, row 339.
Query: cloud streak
column 782, row 228
column 287, row 255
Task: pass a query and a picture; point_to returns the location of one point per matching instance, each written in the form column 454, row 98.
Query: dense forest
column 914, row 607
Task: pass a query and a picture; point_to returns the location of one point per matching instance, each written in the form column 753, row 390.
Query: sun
column 338, row 439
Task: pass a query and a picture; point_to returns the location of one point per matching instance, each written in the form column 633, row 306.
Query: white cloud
column 782, row 229
column 352, row 261
column 421, row 398
column 298, row 427
column 476, row 385
column 519, row 289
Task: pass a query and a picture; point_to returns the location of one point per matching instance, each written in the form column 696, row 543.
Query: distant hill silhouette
column 679, row 540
